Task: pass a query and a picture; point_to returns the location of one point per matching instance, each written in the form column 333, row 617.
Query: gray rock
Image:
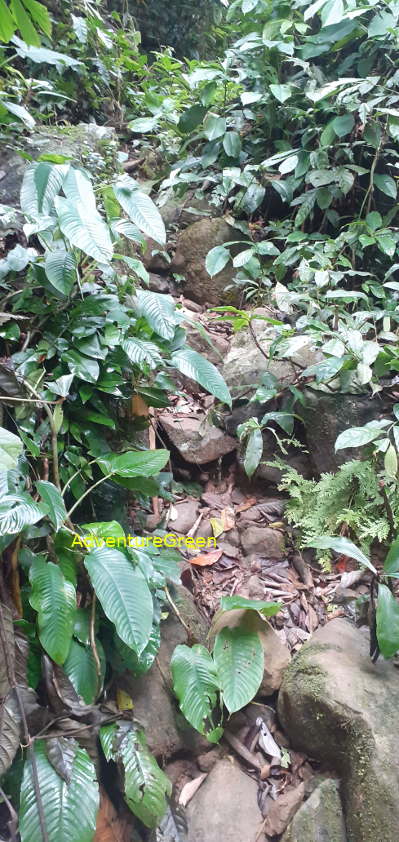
column 264, row 541
column 277, row 659
column 193, row 245
column 271, row 474
column 320, row 818
column 187, row 513
column 158, row 284
column 185, row 211
column 166, row 729
column 343, row 710
column 87, row 144
column 196, row 440
column 225, row 806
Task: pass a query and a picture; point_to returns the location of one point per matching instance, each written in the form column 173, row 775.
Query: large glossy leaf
column 159, row 311
column 356, row 437
column 135, row 463
column 196, row 683
column 42, row 55
column 7, row 22
column 387, row 622
column 342, row 546
column 80, row 668
column 239, row 660
column 83, row 226
column 51, row 496
column 124, row 595
column 141, row 351
column 145, row 785
column 19, row 110
column 84, row 367
column 41, row 184
column 193, row 365
column 60, row 268
column 216, row 260
column 54, row 599
column 78, row 187
column 253, row 451
column 268, row 609
column 140, row 208
column 18, row 511
column 10, row 726
column 10, row 449
column 70, row 809
column 391, row 563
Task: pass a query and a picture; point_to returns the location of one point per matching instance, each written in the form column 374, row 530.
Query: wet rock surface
column 343, row 710
column 193, row 245
column 195, row 438
column 225, row 806
column 320, row 818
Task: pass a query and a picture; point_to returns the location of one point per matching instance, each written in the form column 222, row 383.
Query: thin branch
column 177, row 612
column 93, row 640
column 85, row 493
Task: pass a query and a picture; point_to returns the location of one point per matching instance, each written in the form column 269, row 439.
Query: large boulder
column 341, row 709
column 248, row 358
column 193, row 245
column 225, row 806
column 196, row 440
column 320, row 818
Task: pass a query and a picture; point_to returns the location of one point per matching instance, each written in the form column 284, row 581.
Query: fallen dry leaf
column 190, row 788
column 247, row 505
column 283, row 809
column 206, row 559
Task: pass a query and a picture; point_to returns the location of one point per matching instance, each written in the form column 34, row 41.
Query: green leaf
column 356, row 437
column 135, row 463
column 7, row 23
column 193, row 365
column 143, row 124
column 324, row 371
column 124, row 595
column 391, row 462
column 216, row 260
column 381, row 23
column 51, row 496
column 61, row 271
column 332, row 12
column 391, row 563
column 41, row 55
column 387, row 622
column 285, row 420
column 195, row 683
column 39, row 15
column 145, row 785
column 20, row 111
column 103, row 529
column 77, row 187
column 85, row 368
column 81, row 670
column 70, row 810
column 141, row 351
column 268, row 609
column 24, row 22
column 386, row 184
column 191, row 118
column 159, row 311
column 83, row 227
column 342, row 546
column 214, row 126
column 232, row 144
column 239, row 660
column 10, row 450
column 41, row 183
column 253, row 451
column 55, row 601
column 140, row 209
column 14, row 518
column 343, row 125
column 281, row 92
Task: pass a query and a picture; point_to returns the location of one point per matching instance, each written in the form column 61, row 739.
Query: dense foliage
column 289, row 127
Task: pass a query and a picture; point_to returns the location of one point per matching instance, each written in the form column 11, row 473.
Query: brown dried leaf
column 206, row 559
column 7, row 650
column 246, row 505
column 190, row 788
column 283, row 809
column 10, row 724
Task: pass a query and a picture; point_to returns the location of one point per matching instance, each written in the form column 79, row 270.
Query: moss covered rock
column 320, row 818
column 344, row 711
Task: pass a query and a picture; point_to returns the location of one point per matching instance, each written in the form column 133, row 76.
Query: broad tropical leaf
column 14, row 518
column 193, row 365
column 55, row 601
column 80, row 668
column 159, row 311
column 10, row 726
column 239, row 660
column 343, row 546
column 125, row 659
column 387, row 622
column 51, row 496
column 391, row 563
column 145, row 785
column 124, row 595
column 10, row 449
column 41, row 184
column 135, row 463
column 19, row 110
column 216, row 260
column 253, row 451
column 268, row 609
column 83, row 226
column 70, row 809
column 196, row 683
column 140, row 208
column 141, row 351
column 77, row 187
column 61, row 271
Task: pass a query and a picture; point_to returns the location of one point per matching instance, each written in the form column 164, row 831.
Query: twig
column 13, row 823
column 389, row 512
column 241, row 749
column 152, row 444
column 85, row 493
column 93, row 639
column 177, row 612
